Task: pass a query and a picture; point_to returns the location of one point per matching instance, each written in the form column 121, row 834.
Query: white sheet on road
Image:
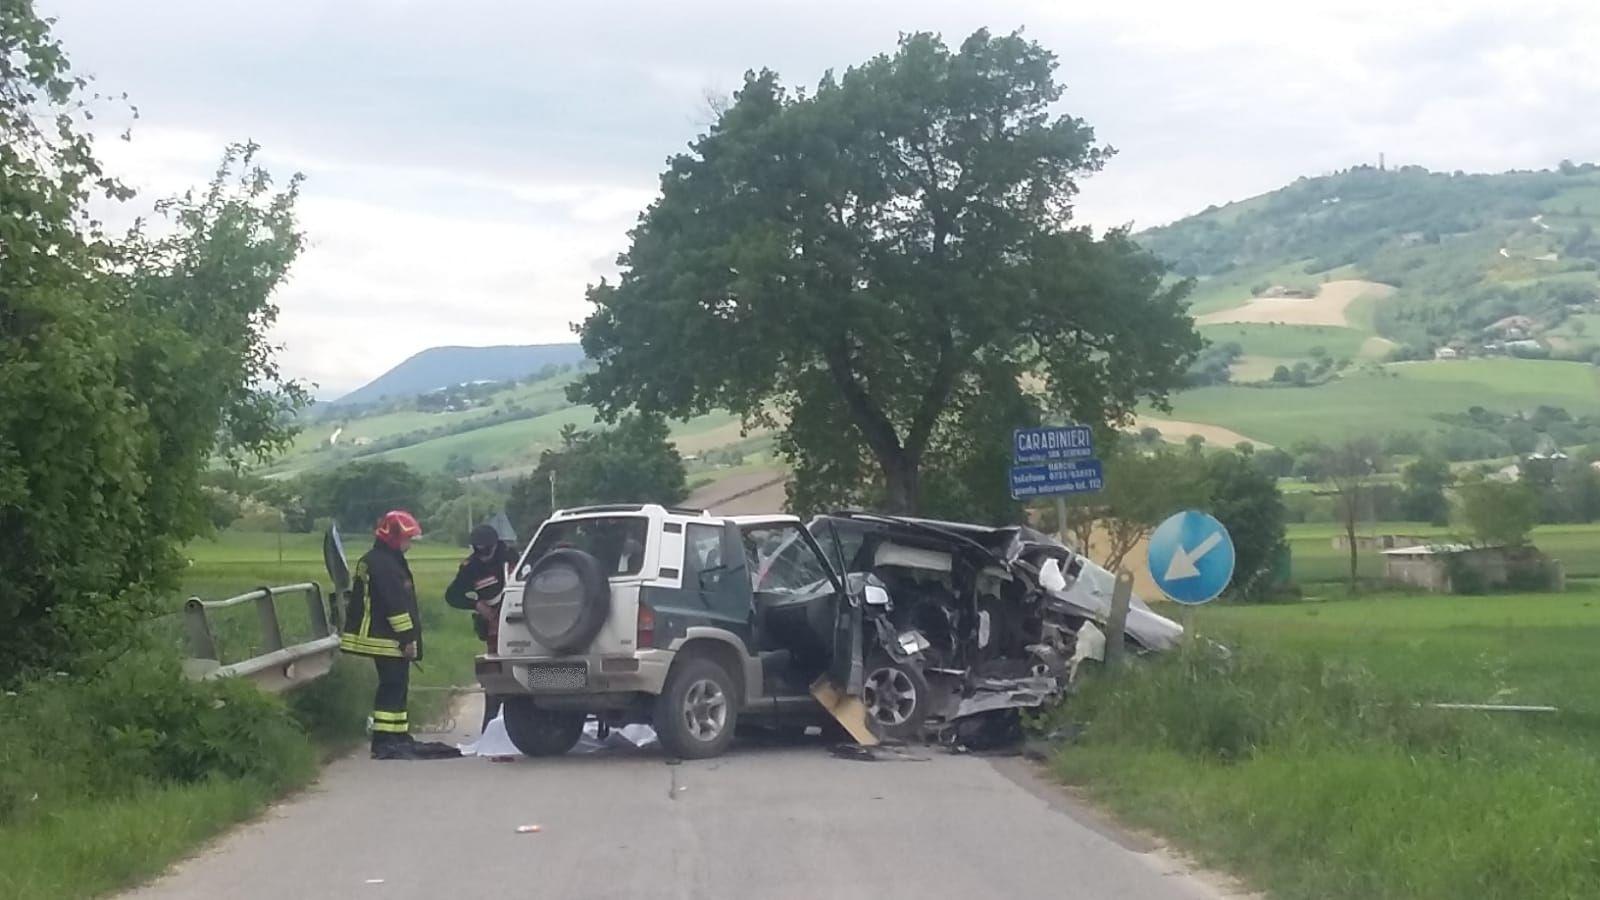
column 495, row 742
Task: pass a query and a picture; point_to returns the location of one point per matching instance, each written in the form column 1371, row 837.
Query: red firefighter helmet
column 397, row 528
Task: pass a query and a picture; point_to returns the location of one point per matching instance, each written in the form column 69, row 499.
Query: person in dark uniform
column 382, row 622
column 477, row 586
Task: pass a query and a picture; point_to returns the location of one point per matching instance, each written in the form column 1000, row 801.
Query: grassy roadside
column 1309, row 763
column 107, row 780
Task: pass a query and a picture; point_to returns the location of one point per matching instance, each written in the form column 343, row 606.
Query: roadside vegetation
column 108, row 777
column 1308, row 760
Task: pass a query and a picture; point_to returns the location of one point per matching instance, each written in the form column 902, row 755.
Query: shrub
column 139, row 723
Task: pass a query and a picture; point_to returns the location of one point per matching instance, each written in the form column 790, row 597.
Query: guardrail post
column 319, row 612
column 267, row 610
column 1116, row 623
column 201, row 643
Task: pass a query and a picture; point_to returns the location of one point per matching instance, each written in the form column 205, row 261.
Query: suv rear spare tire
column 566, row 600
column 698, row 709
column 541, row 732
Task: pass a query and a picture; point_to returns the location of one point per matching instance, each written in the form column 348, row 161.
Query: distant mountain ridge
column 439, row 367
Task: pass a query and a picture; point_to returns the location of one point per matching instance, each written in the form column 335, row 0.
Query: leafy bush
column 139, row 723
column 127, row 364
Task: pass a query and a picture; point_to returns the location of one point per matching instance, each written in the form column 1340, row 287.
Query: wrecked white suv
column 646, row 614
column 697, row 624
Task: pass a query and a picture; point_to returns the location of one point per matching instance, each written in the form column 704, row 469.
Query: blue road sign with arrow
column 1191, row 557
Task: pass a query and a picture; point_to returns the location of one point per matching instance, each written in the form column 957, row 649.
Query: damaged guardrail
column 279, row 667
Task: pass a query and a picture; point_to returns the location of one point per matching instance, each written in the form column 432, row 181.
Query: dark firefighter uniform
column 478, row 586
column 382, row 622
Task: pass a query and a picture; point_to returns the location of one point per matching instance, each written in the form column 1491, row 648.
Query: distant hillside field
column 439, row 367
column 1400, row 398
column 1333, row 297
column 1461, row 252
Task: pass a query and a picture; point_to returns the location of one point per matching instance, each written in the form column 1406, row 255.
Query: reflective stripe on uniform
column 380, row 715
column 400, row 622
column 390, row 727
column 351, row 643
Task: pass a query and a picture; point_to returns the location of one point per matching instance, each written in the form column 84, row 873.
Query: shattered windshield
column 781, row 560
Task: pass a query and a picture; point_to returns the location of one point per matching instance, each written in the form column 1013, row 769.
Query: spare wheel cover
column 566, row 600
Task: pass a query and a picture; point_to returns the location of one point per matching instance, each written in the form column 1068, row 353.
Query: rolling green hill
column 1463, row 251
column 1340, row 281
column 1375, row 268
column 501, row 430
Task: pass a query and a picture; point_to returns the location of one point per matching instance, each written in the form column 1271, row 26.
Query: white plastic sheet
column 495, row 742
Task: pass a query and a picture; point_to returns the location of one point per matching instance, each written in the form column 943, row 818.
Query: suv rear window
column 616, row 541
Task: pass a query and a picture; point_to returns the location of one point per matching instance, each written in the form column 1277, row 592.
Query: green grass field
column 1310, row 762
column 1402, row 400
column 494, row 444
column 1227, row 291
column 549, row 393
column 1317, row 565
column 1288, row 341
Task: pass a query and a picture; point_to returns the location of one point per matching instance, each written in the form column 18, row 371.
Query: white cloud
column 470, row 172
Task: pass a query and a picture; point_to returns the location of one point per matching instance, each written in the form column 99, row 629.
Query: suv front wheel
column 696, row 714
column 541, row 732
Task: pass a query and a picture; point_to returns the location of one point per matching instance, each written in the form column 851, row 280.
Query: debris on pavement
column 877, row 753
column 528, row 829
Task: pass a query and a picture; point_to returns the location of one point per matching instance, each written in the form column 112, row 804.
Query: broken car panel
column 992, row 619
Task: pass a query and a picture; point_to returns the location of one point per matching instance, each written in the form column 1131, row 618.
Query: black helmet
column 484, row 537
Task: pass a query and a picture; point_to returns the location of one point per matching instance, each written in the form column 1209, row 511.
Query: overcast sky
column 472, row 166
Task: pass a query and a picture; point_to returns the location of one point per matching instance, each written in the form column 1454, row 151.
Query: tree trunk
column 1351, row 508
column 903, row 479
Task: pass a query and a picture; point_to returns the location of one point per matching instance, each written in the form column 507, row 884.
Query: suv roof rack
column 631, row 507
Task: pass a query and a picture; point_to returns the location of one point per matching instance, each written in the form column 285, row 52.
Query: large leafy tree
column 1247, row 502
column 124, row 365
column 631, row 463
column 865, row 264
column 357, row 494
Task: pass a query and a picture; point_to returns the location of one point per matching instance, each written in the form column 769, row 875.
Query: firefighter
column 382, row 622
column 477, row 586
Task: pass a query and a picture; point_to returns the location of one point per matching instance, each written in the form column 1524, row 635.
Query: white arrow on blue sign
column 1191, row 557
column 1032, row 446
column 1081, row 476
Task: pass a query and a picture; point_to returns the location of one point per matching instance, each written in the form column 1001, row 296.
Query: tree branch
column 939, row 386
column 875, row 426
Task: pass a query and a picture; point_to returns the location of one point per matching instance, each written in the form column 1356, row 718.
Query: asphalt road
column 760, row 822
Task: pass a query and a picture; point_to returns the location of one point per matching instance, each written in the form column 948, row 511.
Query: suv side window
column 708, row 568
column 702, row 552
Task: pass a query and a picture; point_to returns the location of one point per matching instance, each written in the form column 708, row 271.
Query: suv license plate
column 558, row 678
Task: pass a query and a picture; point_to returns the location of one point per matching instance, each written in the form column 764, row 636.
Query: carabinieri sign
column 1054, row 460
column 1032, row 446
